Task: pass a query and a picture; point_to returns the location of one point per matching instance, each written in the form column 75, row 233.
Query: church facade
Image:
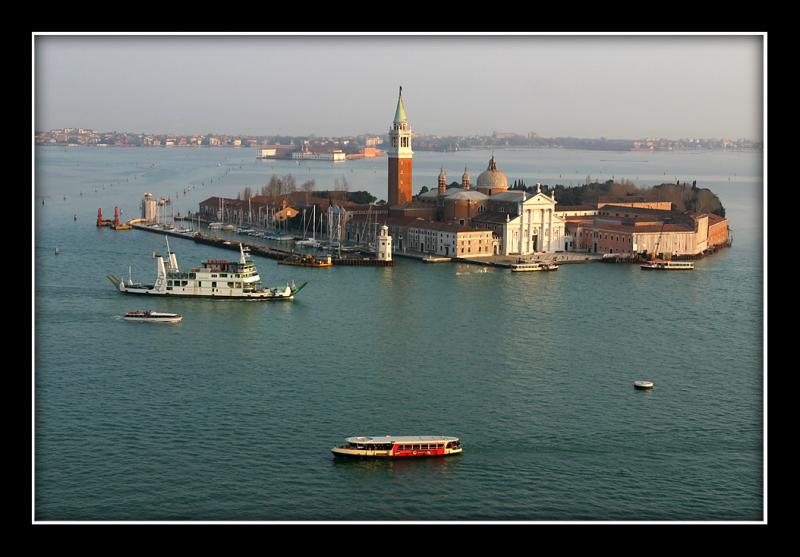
column 523, row 224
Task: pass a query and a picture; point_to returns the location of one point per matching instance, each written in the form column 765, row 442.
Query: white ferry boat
column 659, row 265
column 153, row 317
column 216, row 278
column 528, row 267
column 398, row 447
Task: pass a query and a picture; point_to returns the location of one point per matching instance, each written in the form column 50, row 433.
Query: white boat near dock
column 660, row 265
column 215, row 278
column 529, row 267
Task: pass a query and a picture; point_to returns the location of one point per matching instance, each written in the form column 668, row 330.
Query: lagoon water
column 230, row 414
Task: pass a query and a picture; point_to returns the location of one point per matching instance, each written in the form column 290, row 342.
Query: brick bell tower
column 400, row 157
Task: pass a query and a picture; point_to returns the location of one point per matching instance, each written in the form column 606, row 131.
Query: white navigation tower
column 384, row 244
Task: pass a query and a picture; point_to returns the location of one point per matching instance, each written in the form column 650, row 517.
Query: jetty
column 167, row 231
column 257, row 249
column 507, row 261
column 436, row 259
column 260, row 249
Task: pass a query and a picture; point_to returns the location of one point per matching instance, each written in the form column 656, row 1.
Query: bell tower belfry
column 400, row 157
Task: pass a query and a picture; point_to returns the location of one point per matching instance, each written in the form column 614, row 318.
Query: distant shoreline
column 417, row 149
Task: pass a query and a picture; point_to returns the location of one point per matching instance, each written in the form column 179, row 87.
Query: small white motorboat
column 153, row 316
column 536, row 266
column 643, row 385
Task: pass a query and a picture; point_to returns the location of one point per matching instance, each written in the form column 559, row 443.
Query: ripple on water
column 232, row 413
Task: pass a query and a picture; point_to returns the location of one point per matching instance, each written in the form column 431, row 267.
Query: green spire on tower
column 400, row 113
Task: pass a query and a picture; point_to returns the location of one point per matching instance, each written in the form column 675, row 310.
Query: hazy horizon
column 618, row 87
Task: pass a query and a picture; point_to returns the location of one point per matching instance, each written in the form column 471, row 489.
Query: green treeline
column 683, row 196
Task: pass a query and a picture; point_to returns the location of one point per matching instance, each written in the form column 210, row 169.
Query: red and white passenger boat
column 399, row 447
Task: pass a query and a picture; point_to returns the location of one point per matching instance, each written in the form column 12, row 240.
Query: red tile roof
column 560, row 208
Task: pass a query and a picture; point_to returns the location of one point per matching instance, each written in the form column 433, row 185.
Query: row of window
column 200, row 283
column 371, row 446
column 422, row 447
column 628, row 239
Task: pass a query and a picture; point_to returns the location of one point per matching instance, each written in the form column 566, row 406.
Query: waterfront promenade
column 561, row 258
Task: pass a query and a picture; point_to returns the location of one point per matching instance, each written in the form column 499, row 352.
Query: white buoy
column 643, row 384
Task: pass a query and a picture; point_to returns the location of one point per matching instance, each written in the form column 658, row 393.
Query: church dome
column 462, row 194
column 491, row 178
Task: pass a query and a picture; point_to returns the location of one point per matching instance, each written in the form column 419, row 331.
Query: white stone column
column 528, row 248
column 542, row 227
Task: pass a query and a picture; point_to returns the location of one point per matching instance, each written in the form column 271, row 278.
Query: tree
column 274, row 187
column 248, row 193
column 360, row 197
column 340, row 184
column 289, row 184
column 308, row 187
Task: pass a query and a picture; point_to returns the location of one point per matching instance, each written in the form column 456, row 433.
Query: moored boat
column 666, row 265
column 310, row 242
column 642, row 385
column 528, row 267
column 307, row 261
column 153, row 317
column 399, row 447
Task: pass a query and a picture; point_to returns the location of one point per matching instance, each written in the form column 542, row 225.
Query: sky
column 619, row 87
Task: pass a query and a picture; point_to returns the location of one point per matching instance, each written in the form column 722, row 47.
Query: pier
column 257, row 249
column 561, row 258
column 186, row 235
column 260, row 249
